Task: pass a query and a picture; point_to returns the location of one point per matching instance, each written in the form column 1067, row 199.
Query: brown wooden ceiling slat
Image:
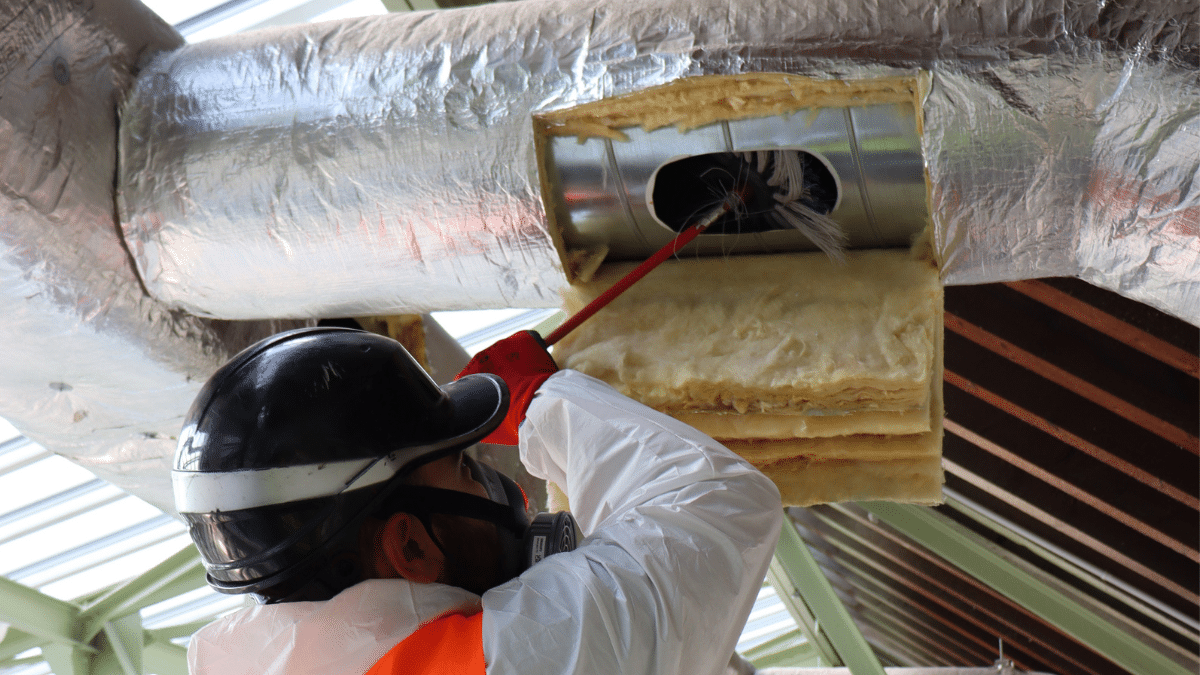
column 964, row 597
column 1066, row 409
column 1074, row 383
column 1128, row 468
column 1083, row 516
column 902, row 642
column 1133, row 444
column 1071, row 489
column 890, row 653
column 975, row 644
column 1110, row 325
column 1102, row 361
column 1174, row 641
column 904, row 621
column 1069, row 530
column 917, row 611
column 1158, row 323
column 1148, row 505
column 912, row 619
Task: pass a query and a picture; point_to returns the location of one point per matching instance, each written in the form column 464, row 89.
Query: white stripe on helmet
column 207, row 492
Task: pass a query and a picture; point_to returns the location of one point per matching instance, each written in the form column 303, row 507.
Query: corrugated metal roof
column 71, row 535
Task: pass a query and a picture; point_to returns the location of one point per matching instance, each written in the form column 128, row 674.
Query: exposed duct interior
column 603, row 164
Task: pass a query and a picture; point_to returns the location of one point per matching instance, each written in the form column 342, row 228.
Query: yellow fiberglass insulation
column 827, row 377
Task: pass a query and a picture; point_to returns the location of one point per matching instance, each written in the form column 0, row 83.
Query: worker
column 322, row 471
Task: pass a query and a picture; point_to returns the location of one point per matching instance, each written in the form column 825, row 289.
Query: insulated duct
column 91, row 367
column 387, row 164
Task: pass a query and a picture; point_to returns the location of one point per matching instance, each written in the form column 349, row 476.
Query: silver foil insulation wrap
column 1079, row 163
column 387, row 164
column 91, row 367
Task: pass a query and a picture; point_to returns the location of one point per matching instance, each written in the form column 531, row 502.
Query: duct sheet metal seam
column 386, row 164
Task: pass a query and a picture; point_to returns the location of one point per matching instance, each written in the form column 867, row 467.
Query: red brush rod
column 682, row 239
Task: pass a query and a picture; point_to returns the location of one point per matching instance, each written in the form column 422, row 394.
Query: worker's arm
column 679, row 532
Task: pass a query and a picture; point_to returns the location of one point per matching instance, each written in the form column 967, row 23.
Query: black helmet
column 290, row 445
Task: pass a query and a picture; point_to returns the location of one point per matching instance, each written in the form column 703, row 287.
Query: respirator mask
column 522, row 542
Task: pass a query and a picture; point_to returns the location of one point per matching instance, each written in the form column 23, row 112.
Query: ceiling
column 1071, row 454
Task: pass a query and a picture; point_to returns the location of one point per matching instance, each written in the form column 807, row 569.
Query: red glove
column 522, row 361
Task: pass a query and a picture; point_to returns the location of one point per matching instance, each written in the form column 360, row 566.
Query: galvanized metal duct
column 387, row 164
column 91, row 367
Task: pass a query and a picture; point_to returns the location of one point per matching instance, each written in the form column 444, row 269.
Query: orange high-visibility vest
column 451, row 644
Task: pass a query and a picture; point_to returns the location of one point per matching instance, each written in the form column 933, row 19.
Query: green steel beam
column 132, row 595
column 818, row 594
column 38, row 614
column 17, row 641
column 1079, row 569
column 188, row 581
column 67, row 660
column 125, row 638
column 110, row 623
column 554, row 321
column 787, row 593
column 964, row 549
column 164, row 658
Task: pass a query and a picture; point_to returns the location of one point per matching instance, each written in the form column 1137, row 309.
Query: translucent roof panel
column 206, row 19
column 68, row 534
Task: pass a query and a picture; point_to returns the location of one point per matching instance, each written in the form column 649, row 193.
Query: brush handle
column 671, row 248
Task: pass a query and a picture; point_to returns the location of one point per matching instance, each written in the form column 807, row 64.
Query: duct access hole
column 777, row 189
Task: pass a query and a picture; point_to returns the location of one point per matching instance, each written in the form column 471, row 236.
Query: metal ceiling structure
column 1071, row 526
column 1068, row 543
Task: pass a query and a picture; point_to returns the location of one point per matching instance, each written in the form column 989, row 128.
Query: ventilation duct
column 388, row 164
column 90, row 366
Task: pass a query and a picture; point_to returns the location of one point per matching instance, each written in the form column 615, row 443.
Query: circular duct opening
column 766, row 182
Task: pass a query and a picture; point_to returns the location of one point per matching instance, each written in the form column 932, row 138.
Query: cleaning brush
column 777, row 189
column 754, row 191
column 790, row 208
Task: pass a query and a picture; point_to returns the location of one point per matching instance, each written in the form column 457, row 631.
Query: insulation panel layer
column 825, row 376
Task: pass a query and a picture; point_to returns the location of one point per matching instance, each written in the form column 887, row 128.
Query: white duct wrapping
column 387, row 164
column 90, row 366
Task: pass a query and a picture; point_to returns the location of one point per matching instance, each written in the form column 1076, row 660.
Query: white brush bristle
column 788, row 177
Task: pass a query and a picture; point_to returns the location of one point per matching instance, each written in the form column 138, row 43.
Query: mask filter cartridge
column 550, row 533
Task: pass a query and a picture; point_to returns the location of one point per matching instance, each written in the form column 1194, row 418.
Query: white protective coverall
column 678, row 534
